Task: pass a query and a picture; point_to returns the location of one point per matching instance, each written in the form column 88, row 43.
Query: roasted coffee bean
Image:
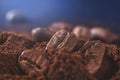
column 41, row 34
column 62, row 38
column 58, row 39
column 32, row 61
column 71, row 42
column 95, row 54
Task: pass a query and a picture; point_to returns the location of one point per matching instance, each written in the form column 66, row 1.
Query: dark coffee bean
column 40, row 34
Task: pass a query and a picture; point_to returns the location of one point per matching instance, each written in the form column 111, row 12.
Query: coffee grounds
column 62, row 65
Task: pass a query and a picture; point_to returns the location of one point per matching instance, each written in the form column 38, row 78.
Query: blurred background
column 33, row 13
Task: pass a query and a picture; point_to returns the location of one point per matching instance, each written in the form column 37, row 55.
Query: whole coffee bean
column 40, row 34
column 62, row 38
column 71, row 42
column 95, row 55
column 58, row 39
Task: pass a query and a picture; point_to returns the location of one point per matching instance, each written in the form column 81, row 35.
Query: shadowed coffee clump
column 24, row 59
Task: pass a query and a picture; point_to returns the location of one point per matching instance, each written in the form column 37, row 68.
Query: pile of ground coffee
column 62, row 65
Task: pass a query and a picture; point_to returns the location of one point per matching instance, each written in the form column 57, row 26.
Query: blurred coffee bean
column 15, row 17
column 102, row 34
column 81, row 31
column 60, row 26
column 41, row 34
column 99, row 31
column 32, row 61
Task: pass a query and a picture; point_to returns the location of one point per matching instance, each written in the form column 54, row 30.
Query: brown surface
column 62, row 64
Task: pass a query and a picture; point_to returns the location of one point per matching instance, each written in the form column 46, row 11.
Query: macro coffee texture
column 63, row 57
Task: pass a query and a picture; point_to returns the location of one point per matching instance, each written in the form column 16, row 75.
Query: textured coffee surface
column 61, row 65
column 11, row 42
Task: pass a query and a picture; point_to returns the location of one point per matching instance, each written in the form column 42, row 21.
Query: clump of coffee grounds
column 11, row 42
column 62, row 64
